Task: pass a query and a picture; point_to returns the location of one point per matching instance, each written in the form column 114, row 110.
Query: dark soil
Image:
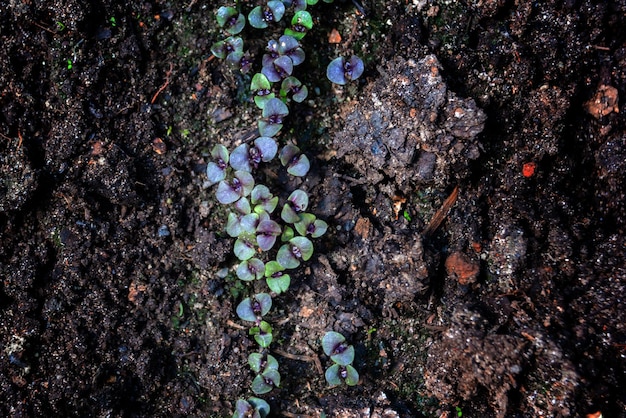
column 472, row 179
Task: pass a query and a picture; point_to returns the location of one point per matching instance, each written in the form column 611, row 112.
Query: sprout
column 273, row 114
column 253, row 308
column 227, row 47
column 239, row 186
column 252, row 408
column 309, row 225
column 263, row 199
column 233, row 225
column 266, row 368
column 337, row 374
column 340, row 71
column 271, row 55
column 267, row 231
column 260, row 363
column 216, row 170
column 260, row 17
column 251, row 269
column 265, row 382
column 301, row 23
column 244, row 247
column 246, row 157
column 262, row 334
column 296, row 249
column 230, row 19
column 297, row 203
column 293, row 86
column 261, row 90
column 276, row 280
column 336, row 347
column 297, row 163
column 279, row 69
column 290, row 47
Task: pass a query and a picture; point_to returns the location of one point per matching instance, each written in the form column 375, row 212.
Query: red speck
column 528, row 170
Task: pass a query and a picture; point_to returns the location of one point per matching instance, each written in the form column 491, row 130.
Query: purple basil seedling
column 244, row 247
column 309, row 225
column 266, row 233
column 262, row 334
column 230, row 20
column 261, row 89
column 301, row 23
column 253, row 308
column 341, row 71
column 248, row 157
column 296, row 249
column 216, row 169
column 280, row 68
column 297, row 163
column 336, row 347
column 290, row 47
column 251, row 408
column 337, row 374
column 276, row 279
column 294, row 87
column 251, row 269
column 266, row 368
column 262, row 199
column 260, row 16
column 229, row 191
column 233, row 225
column 230, row 45
column 273, row 114
column 297, row 202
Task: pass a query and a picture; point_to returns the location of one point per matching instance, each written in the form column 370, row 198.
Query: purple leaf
column 297, row 163
column 239, row 186
column 289, row 46
column 244, row 247
column 341, row 71
column 297, row 202
column 309, row 225
column 251, row 269
column 336, row 347
column 267, row 148
column 263, row 199
column 216, row 169
column 280, row 68
column 252, row 308
column 267, row 231
column 290, row 254
column 273, row 114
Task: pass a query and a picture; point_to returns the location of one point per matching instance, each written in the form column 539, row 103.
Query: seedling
column 266, row 368
column 296, row 204
column 296, row 162
column 247, row 158
column 229, row 19
column 240, row 185
column 253, row 308
column 341, row 70
column 277, row 280
column 342, row 355
column 251, row 408
column 290, row 254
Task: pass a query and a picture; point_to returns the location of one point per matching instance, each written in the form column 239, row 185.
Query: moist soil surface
column 472, row 180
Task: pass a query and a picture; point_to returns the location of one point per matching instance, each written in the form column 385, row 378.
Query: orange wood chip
column 462, row 267
column 334, row 37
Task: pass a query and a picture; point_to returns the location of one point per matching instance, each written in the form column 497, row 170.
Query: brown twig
column 441, row 214
column 301, row 357
column 167, row 82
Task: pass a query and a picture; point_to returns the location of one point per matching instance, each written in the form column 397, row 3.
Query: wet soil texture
column 472, row 180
